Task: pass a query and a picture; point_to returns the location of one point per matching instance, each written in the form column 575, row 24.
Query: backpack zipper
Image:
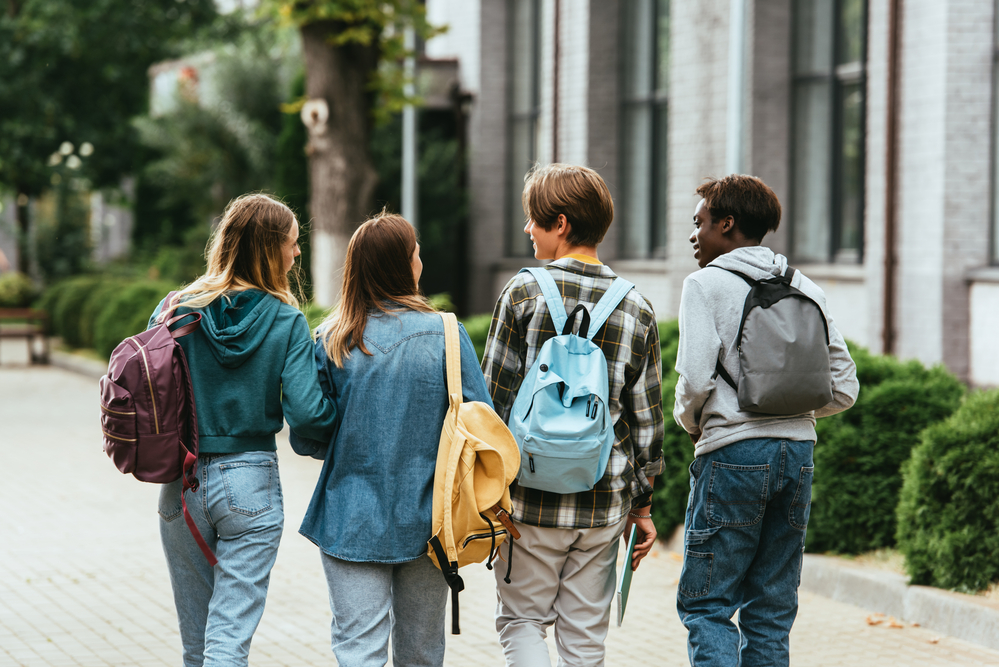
column 149, row 379
column 530, row 460
column 107, row 409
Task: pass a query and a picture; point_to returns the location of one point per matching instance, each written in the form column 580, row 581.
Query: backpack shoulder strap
column 452, row 357
column 553, row 298
column 608, row 302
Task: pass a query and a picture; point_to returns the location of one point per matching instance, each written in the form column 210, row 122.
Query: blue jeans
column 240, row 512
column 744, row 536
column 371, row 601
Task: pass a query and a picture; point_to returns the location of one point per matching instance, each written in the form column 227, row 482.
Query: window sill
column 853, row 273
column 984, row 274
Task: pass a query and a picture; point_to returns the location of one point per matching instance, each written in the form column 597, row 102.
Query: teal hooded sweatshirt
column 252, row 367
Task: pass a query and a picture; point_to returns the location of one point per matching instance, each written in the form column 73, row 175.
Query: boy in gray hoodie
column 751, row 479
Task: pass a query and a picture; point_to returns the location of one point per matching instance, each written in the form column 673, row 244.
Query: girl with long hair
column 381, row 357
column 252, row 367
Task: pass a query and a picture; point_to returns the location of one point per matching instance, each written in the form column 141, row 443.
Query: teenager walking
column 381, row 360
column 251, row 368
column 751, row 478
column 563, row 570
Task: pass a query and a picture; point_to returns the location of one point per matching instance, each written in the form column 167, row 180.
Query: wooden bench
column 28, row 324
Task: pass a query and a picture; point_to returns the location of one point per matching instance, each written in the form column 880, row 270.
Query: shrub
column 859, row 453
column 477, row 327
column 671, row 488
column 95, row 302
column 67, row 308
column 948, row 512
column 127, row 313
column 16, row 290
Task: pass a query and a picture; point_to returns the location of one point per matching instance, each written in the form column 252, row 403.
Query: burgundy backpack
column 148, row 416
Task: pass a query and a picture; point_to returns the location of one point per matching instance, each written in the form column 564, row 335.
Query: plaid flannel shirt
column 630, row 343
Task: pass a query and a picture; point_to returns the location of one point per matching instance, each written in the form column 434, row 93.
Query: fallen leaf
column 914, row 624
column 873, row 619
column 892, row 623
column 934, row 640
column 676, row 581
column 675, row 556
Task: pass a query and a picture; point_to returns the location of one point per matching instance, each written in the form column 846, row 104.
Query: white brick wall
column 574, row 62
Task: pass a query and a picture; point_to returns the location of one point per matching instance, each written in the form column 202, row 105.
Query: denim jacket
column 374, row 498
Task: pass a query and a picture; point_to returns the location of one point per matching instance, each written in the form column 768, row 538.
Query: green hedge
column 859, row 453
column 16, row 290
column 948, row 513
column 68, row 307
column 127, row 313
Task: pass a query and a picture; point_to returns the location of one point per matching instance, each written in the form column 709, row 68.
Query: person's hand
column 646, row 533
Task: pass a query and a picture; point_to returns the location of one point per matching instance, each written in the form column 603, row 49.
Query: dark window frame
column 994, row 158
column 838, row 77
column 657, row 102
column 511, row 229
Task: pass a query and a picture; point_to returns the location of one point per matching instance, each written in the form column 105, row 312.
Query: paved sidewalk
column 83, row 580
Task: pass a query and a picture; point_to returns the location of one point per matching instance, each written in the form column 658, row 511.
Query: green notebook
column 624, row 581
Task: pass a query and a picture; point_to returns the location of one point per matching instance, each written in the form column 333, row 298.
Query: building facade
column 874, row 121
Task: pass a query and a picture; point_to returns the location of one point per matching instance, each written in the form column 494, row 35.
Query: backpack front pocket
column 560, row 466
column 118, row 425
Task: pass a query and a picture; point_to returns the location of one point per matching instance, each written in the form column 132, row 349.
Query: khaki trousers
column 561, row 577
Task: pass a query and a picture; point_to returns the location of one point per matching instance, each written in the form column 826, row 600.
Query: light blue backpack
column 560, row 418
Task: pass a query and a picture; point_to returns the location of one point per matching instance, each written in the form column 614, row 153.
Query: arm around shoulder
column 308, row 406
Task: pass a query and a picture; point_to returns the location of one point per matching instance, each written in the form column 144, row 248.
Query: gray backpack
column 783, row 346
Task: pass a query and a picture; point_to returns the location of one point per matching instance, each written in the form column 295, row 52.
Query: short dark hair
column 751, row 203
column 578, row 193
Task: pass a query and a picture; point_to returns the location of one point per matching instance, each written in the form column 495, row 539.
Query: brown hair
column 244, row 252
column 378, row 269
column 578, row 193
column 751, row 203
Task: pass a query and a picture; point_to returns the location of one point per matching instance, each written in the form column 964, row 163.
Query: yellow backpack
column 477, row 460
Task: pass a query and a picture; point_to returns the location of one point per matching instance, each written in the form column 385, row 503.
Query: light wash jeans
column 371, row 601
column 745, row 535
column 240, row 512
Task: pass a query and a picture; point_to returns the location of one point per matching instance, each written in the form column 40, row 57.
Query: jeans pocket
column 169, row 506
column 695, row 578
column 801, row 506
column 737, row 495
column 249, row 486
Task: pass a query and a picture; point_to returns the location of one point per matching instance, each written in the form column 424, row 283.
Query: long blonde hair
column 245, row 253
column 378, row 269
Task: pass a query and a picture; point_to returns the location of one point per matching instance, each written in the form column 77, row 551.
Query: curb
column 70, row 362
column 965, row 617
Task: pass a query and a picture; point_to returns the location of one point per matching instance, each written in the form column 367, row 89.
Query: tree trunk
column 23, row 259
column 341, row 172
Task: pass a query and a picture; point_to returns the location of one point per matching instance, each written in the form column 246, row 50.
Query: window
column 525, row 112
column 995, row 141
column 829, row 82
column 642, row 193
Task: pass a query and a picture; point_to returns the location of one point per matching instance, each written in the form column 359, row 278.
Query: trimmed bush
column 948, row 512
column 127, row 313
column 16, row 290
column 477, row 327
column 859, row 453
column 95, row 302
column 67, row 308
column 671, row 488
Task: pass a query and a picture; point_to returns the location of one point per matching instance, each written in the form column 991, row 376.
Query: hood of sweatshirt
column 757, row 262
column 237, row 323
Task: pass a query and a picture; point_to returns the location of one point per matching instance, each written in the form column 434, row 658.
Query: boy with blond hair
column 563, row 567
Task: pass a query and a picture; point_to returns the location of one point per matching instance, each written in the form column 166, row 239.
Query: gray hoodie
column 710, row 313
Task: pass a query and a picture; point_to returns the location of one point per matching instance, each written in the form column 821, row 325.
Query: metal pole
column 409, row 176
column 735, row 113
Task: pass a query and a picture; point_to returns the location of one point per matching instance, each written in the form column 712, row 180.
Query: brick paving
column 83, row 580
